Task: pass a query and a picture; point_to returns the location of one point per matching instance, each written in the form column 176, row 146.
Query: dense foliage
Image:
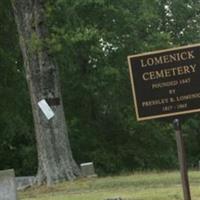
column 91, row 40
column 17, row 149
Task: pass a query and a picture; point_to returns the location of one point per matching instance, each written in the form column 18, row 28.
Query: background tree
column 90, row 40
column 17, row 146
column 97, row 36
column 55, row 161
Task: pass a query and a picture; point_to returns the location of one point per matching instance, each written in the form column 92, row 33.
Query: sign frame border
column 133, row 84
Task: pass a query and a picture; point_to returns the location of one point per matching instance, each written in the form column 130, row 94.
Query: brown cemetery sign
column 166, row 83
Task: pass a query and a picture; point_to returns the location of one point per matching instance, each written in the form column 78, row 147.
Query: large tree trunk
column 55, row 160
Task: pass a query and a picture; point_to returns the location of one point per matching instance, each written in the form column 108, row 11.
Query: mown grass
column 139, row 186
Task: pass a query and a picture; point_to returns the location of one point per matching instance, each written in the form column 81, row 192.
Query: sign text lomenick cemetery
column 166, row 83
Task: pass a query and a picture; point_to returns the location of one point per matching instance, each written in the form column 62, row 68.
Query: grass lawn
column 139, row 186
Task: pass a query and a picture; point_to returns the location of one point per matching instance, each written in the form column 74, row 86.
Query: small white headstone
column 87, row 169
column 199, row 165
column 8, row 185
column 24, row 182
column 48, row 112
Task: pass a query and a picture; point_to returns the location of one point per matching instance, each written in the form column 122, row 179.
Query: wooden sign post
column 182, row 160
column 166, row 83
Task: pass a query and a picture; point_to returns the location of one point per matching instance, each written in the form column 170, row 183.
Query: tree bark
column 55, row 160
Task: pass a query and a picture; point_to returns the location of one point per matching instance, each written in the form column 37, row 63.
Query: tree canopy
column 91, row 40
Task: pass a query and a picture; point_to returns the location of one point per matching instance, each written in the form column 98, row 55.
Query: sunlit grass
column 139, row 186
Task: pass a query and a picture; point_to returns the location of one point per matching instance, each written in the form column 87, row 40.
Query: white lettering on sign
column 48, row 112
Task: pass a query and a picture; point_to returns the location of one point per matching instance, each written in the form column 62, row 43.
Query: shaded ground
column 139, row 186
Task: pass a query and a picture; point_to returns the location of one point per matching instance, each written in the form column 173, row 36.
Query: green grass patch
column 139, row 186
